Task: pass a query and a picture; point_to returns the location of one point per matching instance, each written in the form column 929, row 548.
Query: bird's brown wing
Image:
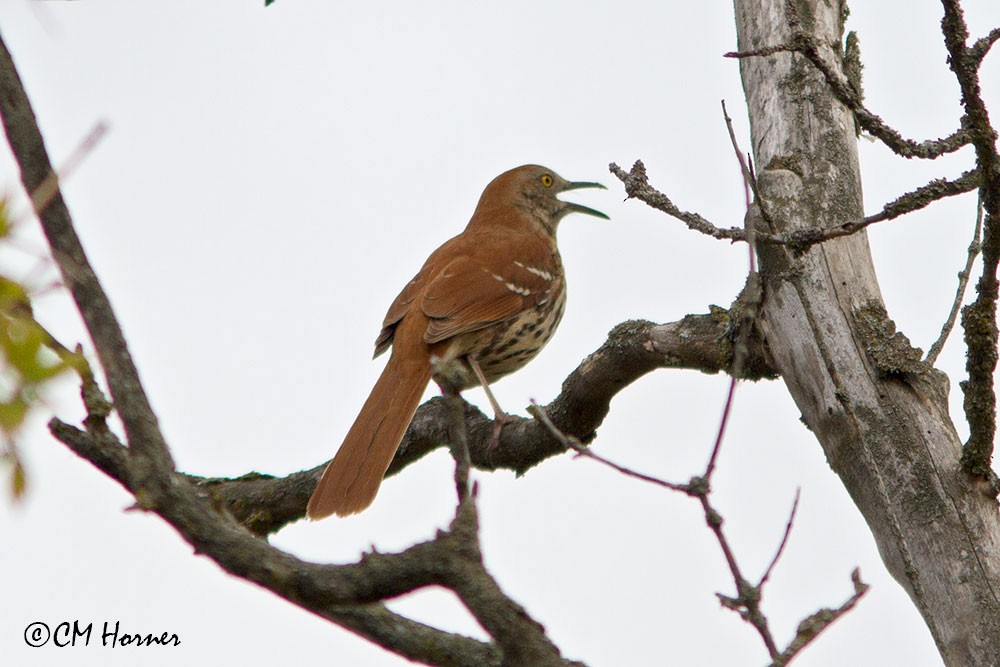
column 468, row 294
column 483, row 285
column 397, row 310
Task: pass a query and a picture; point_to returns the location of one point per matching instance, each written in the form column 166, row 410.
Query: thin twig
column 749, row 178
column 963, row 281
column 569, row 442
column 811, row 627
column 720, row 433
column 747, row 600
column 47, row 190
column 784, row 540
column 748, row 596
column 749, row 311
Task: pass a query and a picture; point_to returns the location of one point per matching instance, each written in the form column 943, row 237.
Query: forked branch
column 637, row 185
column 350, row 595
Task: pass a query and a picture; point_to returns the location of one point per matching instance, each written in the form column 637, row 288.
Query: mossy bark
column 879, row 414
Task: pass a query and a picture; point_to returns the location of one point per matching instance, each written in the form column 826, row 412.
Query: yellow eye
column 547, row 180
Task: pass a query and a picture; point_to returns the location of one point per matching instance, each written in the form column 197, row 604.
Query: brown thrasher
column 481, row 307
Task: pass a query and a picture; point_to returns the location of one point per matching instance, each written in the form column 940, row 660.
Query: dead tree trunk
column 879, row 413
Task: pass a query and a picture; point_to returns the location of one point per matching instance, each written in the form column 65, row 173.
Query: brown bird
column 481, row 307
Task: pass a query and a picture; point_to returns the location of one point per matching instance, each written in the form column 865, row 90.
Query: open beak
column 580, row 208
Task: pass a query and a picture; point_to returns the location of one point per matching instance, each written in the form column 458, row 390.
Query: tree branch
column 982, row 46
column 146, row 470
column 963, row 281
column 264, row 504
column 978, row 318
column 521, row 638
column 748, row 598
column 328, row 589
column 153, row 461
column 915, row 200
column 413, row 640
column 637, row 185
column 810, row 47
column 811, row 627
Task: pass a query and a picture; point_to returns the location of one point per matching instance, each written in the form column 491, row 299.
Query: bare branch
column 747, row 601
column 810, row 628
column 721, row 432
column 146, row 470
column 809, row 46
column 521, row 638
column 637, row 185
column 330, row 590
column 413, row 640
column 569, row 442
column 144, row 436
column 748, row 597
column 915, row 200
column 784, row 541
column 748, row 176
column 458, row 440
column 963, row 281
column 700, row 342
column 978, row 318
column 46, row 191
column 983, row 45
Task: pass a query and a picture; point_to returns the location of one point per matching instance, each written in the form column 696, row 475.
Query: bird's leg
column 500, row 418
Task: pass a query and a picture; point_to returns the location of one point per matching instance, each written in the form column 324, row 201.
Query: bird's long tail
column 352, row 478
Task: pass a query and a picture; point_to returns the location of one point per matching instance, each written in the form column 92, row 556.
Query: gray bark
column 879, row 414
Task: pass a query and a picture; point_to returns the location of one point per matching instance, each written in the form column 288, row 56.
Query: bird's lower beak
column 580, row 208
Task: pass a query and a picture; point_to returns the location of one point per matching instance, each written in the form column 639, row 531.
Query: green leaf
column 12, row 413
column 4, row 217
column 18, row 481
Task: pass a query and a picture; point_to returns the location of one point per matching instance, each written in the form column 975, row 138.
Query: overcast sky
column 270, row 180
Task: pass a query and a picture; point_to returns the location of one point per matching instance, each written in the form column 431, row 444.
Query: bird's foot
column 500, row 419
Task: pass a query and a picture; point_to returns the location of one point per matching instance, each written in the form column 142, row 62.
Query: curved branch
column 146, row 469
column 414, row 640
column 265, row 504
column 145, row 439
column 345, row 594
column 811, row 48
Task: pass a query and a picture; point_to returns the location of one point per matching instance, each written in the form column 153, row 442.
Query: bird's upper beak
column 580, row 208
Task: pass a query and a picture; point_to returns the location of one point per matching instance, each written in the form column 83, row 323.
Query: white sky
column 273, row 177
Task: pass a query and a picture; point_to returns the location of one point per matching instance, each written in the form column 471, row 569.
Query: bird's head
column 534, row 189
